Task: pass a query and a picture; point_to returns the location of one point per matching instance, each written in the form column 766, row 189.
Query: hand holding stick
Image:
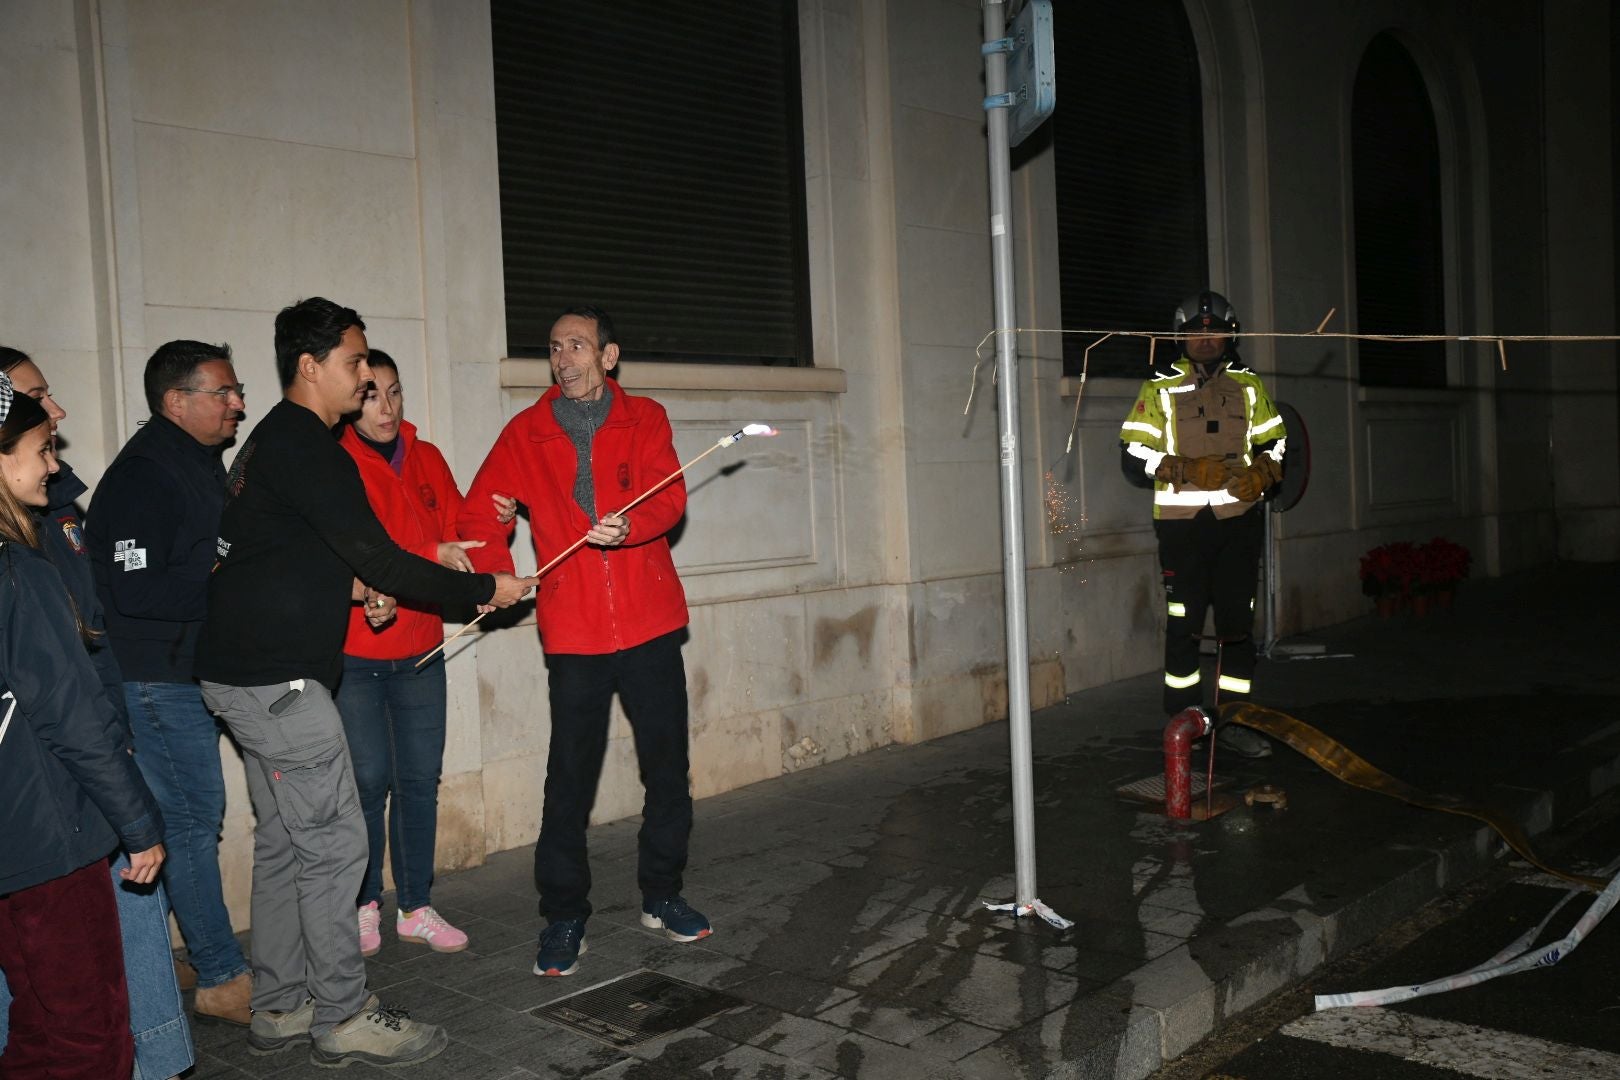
column 729, row 440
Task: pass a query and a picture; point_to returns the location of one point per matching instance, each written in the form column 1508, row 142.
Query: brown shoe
column 227, row 1003
column 185, row 974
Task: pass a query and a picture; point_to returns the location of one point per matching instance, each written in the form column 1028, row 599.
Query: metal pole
column 1269, row 633
column 1012, row 500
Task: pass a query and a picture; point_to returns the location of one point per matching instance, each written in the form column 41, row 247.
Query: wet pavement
column 848, row 898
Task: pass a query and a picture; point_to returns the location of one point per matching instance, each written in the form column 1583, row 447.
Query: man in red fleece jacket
column 611, row 616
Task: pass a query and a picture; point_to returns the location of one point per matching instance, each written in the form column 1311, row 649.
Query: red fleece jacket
column 598, row 600
column 418, row 506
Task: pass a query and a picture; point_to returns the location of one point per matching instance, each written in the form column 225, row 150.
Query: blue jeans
column 177, row 749
column 393, row 716
column 157, row 1016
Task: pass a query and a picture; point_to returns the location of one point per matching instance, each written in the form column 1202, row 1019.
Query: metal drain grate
column 1151, row 788
column 636, row 1007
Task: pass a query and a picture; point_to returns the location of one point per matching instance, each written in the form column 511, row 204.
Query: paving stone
column 973, row 986
column 751, row 1061
column 772, row 1029
column 886, row 1020
column 860, row 1056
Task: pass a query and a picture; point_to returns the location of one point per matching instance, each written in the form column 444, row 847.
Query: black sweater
column 151, row 532
column 296, row 531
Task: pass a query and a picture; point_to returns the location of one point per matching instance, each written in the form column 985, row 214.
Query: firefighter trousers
column 1209, row 562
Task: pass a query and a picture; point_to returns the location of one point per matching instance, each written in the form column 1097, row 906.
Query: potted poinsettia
column 1440, row 564
column 1387, row 575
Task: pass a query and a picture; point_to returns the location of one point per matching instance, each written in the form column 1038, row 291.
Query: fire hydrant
column 1188, row 724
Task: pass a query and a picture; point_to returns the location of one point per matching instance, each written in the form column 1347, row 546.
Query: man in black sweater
column 150, row 533
column 296, row 541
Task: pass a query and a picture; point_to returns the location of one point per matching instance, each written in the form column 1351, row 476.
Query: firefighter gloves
column 1206, row 473
column 1248, row 484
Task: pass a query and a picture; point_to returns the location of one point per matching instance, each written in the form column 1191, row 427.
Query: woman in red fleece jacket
column 393, row 712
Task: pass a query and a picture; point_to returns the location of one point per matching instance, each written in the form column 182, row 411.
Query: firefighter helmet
column 1206, row 312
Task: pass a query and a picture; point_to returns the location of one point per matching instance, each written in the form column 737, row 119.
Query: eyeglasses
column 223, row 393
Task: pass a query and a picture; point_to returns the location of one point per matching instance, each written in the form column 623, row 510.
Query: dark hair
column 174, row 366
column 604, row 322
column 377, row 358
column 16, row 521
column 10, row 358
column 313, row 326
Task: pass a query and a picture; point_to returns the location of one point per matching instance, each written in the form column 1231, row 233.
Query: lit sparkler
column 761, row 430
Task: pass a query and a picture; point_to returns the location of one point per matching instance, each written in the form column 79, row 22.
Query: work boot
column 1244, row 742
column 378, row 1036
column 272, row 1031
column 227, row 1003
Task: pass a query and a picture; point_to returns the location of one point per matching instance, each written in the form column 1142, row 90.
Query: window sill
column 518, row 373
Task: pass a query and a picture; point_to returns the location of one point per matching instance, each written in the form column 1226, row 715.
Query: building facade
column 174, row 170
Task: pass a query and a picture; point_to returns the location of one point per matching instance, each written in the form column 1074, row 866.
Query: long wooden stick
column 577, row 544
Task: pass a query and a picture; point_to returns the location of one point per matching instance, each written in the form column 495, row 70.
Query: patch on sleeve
column 132, row 557
column 73, row 533
column 1141, row 406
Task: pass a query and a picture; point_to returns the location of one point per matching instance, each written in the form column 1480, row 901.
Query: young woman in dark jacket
column 69, row 795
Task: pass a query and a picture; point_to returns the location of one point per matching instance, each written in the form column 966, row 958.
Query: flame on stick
column 763, row 430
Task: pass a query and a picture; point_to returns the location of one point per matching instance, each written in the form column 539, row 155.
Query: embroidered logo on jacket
column 74, row 534
column 624, row 476
column 132, row 557
column 429, row 500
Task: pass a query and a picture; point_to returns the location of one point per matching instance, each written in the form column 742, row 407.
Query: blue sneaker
column 561, row 945
column 675, row 918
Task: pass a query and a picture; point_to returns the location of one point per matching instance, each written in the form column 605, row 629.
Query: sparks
column 1058, row 518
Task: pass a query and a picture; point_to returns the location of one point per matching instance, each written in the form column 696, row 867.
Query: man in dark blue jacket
column 151, row 531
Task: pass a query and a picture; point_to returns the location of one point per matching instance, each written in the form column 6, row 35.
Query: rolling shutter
column 651, row 162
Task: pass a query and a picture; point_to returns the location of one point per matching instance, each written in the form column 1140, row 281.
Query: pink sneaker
column 370, row 929
column 428, row 927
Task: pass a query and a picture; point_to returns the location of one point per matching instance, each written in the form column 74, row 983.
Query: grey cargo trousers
column 309, row 848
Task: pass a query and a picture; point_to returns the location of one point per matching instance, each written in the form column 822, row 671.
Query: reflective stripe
column 1149, row 457
column 1132, row 425
column 1178, row 610
column 1231, row 683
column 1194, row 498
column 1180, row 682
column 1251, row 605
column 1169, row 421
column 1265, row 427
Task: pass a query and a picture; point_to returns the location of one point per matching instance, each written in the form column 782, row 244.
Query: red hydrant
column 1188, row 724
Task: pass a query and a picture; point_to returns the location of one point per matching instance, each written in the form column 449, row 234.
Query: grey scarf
column 581, row 419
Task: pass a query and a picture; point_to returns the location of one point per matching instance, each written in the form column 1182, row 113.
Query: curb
column 1169, row 1004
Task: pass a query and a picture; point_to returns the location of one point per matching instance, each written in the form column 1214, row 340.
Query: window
column 652, row 162
column 1129, row 151
column 1395, row 170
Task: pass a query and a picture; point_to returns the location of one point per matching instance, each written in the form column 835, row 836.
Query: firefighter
column 1205, row 436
